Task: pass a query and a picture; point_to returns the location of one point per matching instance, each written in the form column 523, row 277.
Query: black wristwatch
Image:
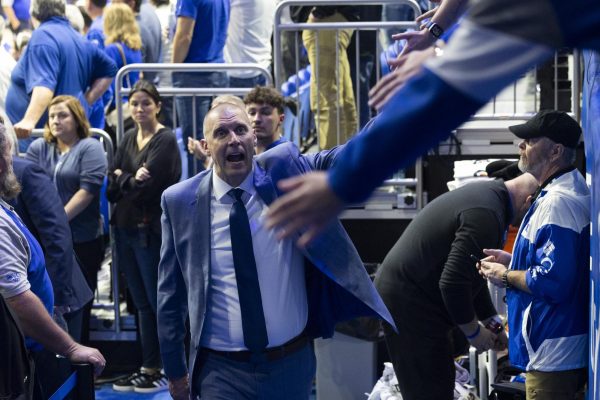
column 435, row 29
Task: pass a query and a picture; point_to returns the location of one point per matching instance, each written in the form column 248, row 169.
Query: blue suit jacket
column 338, row 287
column 42, row 211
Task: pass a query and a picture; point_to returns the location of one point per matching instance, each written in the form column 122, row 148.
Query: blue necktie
column 253, row 317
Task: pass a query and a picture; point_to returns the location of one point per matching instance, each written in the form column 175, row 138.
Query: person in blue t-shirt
column 200, row 36
column 123, row 41
column 57, row 61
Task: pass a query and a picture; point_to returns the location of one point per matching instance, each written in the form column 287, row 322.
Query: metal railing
column 358, row 26
column 120, row 91
column 486, row 133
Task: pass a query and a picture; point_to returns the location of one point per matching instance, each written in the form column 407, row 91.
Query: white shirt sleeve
column 14, row 258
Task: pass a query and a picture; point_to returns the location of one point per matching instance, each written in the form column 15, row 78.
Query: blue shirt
column 96, row 32
column 275, row 143
column 21, row 9
column 210, row 29
column 131, row 56
column 60, row 59
column 82, row 167
column 37, row 276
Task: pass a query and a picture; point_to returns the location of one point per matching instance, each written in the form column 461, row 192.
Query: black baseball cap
column 555, row 125
column 503, row 169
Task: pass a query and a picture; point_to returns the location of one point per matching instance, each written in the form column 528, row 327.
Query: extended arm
column 454, row 83
column 445, row 16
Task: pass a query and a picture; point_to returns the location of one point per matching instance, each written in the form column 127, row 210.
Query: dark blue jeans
column 186, row 110
column 258, row 80
column 138, row 254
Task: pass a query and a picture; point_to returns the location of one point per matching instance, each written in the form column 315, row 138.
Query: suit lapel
column 201, row 224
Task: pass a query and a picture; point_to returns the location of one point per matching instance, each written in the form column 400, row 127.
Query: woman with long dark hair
column 146, row 163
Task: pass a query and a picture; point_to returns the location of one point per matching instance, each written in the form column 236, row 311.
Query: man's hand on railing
column 83, row 354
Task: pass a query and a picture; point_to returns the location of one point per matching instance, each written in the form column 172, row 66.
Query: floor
column 106, row 393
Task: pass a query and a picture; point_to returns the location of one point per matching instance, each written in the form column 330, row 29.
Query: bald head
column 227, row 99
column 230, row 141
column 521, row 190
column 223, row 106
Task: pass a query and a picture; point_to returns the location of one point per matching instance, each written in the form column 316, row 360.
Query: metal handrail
column 182, row 67
column 278, row 28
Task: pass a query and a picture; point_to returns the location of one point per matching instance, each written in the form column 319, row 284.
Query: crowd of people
column 249, row 250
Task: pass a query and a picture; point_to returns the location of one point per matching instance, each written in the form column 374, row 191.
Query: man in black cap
column 547, row 276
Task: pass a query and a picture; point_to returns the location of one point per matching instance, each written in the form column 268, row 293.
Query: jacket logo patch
column 548, row 248
column 12, row 277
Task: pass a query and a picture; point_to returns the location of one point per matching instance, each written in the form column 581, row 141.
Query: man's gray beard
column 9, row 185
column 522, row 166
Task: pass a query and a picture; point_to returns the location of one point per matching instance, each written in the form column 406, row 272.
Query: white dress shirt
column 280, row 268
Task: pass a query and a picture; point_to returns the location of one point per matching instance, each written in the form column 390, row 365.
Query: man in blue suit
column 239, row 350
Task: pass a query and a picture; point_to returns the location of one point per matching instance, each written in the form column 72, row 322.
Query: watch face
column 436, row 30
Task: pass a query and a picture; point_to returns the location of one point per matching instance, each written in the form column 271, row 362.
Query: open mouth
column 235, row 157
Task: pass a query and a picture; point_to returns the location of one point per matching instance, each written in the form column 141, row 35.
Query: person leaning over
column 430, row 284
column 547, row 276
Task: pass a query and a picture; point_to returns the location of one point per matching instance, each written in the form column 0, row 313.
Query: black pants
column 423, row 350
column 424, row 365
column 90, row 255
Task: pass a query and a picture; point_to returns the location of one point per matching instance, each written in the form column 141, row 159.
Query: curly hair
column 265, row 95
column 120, row 26
column 9, row 185
column 72, row 103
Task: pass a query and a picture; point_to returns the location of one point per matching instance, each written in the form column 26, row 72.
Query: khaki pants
column 328, row 101
column 560, row 385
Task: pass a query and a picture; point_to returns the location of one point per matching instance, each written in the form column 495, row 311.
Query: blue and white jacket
column 549, row 327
